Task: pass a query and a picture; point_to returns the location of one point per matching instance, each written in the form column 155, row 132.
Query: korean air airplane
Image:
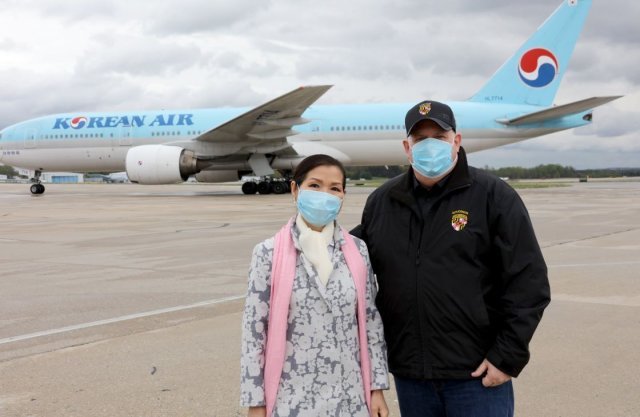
column 216, row 145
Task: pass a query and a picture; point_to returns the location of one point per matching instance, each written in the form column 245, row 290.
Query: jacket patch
column 459, row 219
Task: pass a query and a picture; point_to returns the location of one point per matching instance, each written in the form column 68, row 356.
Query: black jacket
column 450, row 298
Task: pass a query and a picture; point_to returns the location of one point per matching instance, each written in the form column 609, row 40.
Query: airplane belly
column 361, row 149
column 104, row 159
column 378, row 152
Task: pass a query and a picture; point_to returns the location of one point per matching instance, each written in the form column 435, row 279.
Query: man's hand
column 493, row 377
column 257, row 412
column 378, row 404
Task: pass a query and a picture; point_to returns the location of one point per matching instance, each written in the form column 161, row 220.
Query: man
column 462, row 281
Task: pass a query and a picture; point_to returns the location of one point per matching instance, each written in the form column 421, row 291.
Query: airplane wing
column 272, row 121
column 558, row 111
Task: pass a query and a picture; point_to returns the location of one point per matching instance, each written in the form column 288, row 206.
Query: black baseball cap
column 430, row 110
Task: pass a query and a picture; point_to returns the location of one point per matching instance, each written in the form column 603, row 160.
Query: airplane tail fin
column 533, row 74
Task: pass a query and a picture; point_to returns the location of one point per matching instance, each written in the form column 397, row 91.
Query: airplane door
column 30, row 138
column 315, row 128
column 124, row 136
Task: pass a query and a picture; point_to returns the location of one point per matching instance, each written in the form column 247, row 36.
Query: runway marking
column 594, row 264
column 614, row 300
column 118, row 319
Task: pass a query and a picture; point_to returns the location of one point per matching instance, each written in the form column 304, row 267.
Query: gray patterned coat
column 321, row 374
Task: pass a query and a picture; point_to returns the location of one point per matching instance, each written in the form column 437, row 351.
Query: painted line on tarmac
column 594, row 264
column 118, row 319
column 204, row 304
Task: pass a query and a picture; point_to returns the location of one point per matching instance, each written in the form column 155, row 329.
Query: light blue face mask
column 318, row 208
column 432, row 157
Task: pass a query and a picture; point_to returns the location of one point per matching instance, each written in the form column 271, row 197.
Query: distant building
column 62, row 177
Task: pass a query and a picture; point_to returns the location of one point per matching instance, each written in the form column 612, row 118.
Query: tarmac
column 126, row 300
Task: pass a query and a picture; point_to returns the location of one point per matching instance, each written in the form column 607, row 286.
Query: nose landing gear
column 36, row 187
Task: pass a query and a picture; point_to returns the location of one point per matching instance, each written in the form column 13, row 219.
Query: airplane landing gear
column 36, row 187
column 267, row 186
column 249, row 187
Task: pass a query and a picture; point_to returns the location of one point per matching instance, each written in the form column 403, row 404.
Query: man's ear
column 457, row 141
column 407, row 148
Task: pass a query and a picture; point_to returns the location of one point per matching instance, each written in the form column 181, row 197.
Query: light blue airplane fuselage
column 363, row 134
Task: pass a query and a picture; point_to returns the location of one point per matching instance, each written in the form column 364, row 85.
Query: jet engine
column 160, row 164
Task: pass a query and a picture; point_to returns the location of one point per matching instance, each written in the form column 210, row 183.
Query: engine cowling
column 218, row 176
column 160, row 164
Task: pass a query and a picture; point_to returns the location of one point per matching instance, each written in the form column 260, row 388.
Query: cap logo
column 459, row 219
column 424, row 109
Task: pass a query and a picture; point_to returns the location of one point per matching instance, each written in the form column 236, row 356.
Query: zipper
column 419, row 311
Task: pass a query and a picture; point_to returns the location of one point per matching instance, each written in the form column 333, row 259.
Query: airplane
column 225, row 144
column 115, row 177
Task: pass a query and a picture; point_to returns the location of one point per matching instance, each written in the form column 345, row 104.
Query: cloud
column 193, row 16
column 136, row 55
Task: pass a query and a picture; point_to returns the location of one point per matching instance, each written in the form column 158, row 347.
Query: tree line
column 547, row 171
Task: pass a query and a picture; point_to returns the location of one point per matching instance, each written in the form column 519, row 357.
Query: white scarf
column 314, row 246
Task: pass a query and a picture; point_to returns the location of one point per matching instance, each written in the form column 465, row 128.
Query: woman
column 312, row 342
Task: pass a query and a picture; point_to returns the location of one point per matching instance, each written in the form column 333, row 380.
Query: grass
column 535, row 184
column 376, row 182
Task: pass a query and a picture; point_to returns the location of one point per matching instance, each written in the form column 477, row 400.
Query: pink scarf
column 282, row 275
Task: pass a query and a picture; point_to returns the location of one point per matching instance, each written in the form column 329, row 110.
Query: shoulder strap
column 282, row 275
column 359, row 271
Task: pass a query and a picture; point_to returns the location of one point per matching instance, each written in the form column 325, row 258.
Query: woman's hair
column 314, row 161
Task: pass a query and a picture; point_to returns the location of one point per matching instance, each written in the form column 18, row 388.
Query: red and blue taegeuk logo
column 78, row 122
column 538, row 67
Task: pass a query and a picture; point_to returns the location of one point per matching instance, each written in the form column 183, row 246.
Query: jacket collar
column 458, row 178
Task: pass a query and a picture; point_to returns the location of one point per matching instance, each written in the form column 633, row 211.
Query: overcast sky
column 68, row 55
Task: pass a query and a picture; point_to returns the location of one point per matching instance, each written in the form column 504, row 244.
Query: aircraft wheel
column 249, row 187
column 41, row 189
column 279, row 187
column 35, row 189
column 264, row 187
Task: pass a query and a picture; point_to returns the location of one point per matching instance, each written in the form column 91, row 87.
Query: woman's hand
column 257, row 412
column 378, row 404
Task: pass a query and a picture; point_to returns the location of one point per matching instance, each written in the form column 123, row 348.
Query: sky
column 70, row 56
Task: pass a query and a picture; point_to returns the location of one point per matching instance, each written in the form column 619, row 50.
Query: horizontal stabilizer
column 558, row 111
